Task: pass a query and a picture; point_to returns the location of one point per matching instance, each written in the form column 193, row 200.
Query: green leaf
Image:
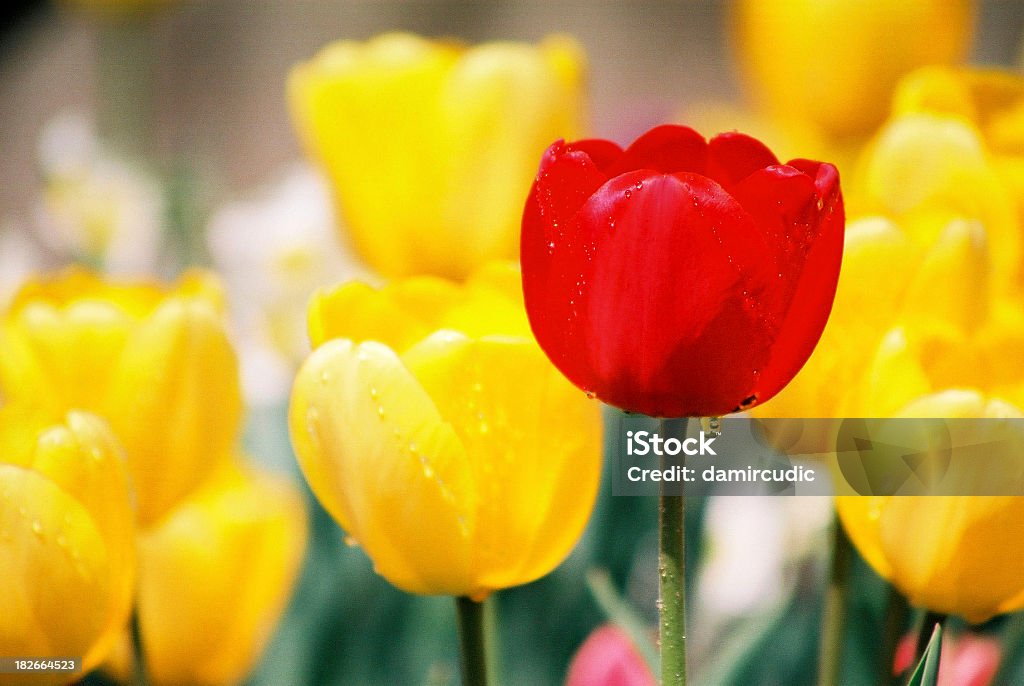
column 927, row 671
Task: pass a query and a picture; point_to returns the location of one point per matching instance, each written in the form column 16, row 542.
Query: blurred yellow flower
column 67, row 538
column 924, row 170
column 908, row 320
column 155, row 363
column 431, row 146
column 833, row 64
column 952, row 554
column 435, row 431
column 988, row 101
column 215, row 576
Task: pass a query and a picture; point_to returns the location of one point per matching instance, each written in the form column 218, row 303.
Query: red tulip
column 680, row 277
column 608, row 658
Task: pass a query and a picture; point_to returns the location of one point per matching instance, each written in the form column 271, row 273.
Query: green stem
column 472, row 641
column 672, row 574
column 139, row 677
column 897, row 612
column 834, row 616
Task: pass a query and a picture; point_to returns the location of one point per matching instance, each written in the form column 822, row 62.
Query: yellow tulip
column 833, row 64
column 67, row 539
column 988, row 101
column 902, row 327
column 215, row 576
column 924, row 170
column 431, row 146
column 435, row 431
column 155, row 363
column 952, row 554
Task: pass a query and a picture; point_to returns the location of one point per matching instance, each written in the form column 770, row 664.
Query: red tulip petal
column 667, row 290
column 551, row 239
column 665, row 149
column 805, row 230
column 734, row 156
column 602, row 153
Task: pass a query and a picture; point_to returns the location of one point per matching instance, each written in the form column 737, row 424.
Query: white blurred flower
column 273, row 251
column 757, row 547
column 19, row 257
column 96, row 207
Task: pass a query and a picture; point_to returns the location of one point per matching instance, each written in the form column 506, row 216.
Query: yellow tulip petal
column 52, row 355
column 926, row 169
column 54, row 571
column 406, row 311
column 382, row 460
column 397, row 315
column 215, row 576
column 67, row 538
column 961, row 302
column 536, row 479
column 955, row 541
column 174, row 402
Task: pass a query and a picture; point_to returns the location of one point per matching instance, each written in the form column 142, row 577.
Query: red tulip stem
column 472, row 641
column 672, row 573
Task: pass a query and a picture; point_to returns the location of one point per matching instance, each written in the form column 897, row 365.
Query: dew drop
column 351, row 542
column 639, row 185
column 821, row 204
column 325, row 376
column 380, row 411
column 37, row 528
column 373, row 392
column 711, row 426
column 627, row 193
column 591, row 395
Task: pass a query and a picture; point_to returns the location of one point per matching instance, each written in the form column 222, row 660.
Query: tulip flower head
column 609, row 658
column 214, row 577
column 422, row 421
column 67, row 539
column 680, row 277
column 832, row 65
column 155, row 363
column 952, row 554
column 430, row 145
